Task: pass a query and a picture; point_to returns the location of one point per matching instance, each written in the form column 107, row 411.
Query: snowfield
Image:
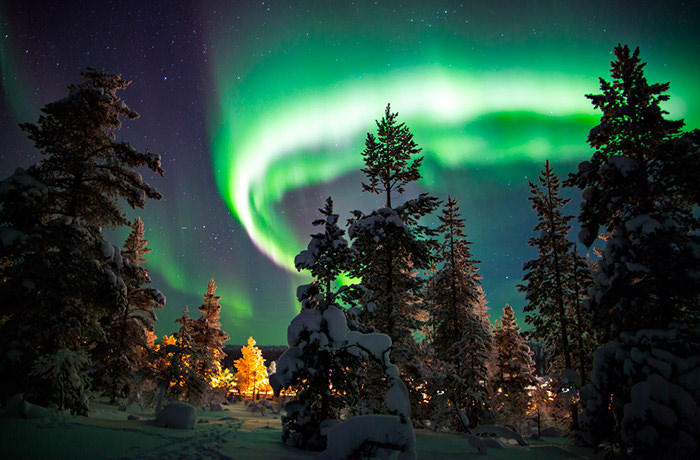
column 234, row 433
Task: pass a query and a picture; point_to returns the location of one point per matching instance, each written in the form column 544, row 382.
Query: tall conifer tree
column 207, row 335
column 553, row 284
column 390, row 244
column 327, row 379
column 461, row 340
column 641, row 187
column 63, row 276
column 129, row 331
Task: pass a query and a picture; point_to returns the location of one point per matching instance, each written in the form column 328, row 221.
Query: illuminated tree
column 170, row 368
column 62, row 276
column 251, row 375
column 460, row 339
column 190, row 368
column 641, row 188
column 514, row 370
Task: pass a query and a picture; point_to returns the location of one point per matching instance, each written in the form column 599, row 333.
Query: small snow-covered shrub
column 321, row 371
column 646, row 388
column 324, row 358
column 374, row 436
column 66, row 378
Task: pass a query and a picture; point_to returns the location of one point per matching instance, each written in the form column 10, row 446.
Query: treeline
column 619, row 330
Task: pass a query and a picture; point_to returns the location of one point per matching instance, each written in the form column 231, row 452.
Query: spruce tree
column 327, row 257
column 514, row 370
column 62, row 275
column 553, row 285
column 128, row 332
column 84, row 167
column 460, row 338
column 391, row 246
column 640, row 187
column 208, row 337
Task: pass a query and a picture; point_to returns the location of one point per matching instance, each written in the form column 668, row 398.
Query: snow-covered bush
column 66, row 379
column 373, row 436
column 323, row 375
column 322, row 358
column 646, row 387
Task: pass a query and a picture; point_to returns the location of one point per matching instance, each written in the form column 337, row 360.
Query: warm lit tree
column 251, row 375
column 169, row 367
column 208, row 336
column 514, row 371
column 191, row 367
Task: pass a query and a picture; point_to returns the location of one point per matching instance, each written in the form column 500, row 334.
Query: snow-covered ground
column 235, row 433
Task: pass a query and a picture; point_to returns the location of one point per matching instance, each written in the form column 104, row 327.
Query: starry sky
column 260, row 110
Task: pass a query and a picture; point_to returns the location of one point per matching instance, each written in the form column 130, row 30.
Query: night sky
column 260, row 109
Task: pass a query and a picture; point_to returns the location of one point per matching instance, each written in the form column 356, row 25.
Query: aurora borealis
column 260, row 110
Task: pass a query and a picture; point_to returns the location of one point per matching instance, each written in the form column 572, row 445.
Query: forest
column 393, row 335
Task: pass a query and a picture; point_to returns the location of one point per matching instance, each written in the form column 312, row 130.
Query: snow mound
column 375, row 435
column 178, row 415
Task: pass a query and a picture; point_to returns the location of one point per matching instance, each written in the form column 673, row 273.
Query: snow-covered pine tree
column 514, row 370
column 127, row 344
column 251, row 373
column 390, row 245
column 641, row 188
column 327, row 378
column 327, row 257
column 461, row 340
column 553, row 285
column 62, row 275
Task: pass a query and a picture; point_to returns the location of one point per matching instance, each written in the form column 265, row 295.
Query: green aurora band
column 460, row 119
column 298, row 86
column 289, row 90
column 457, row 118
